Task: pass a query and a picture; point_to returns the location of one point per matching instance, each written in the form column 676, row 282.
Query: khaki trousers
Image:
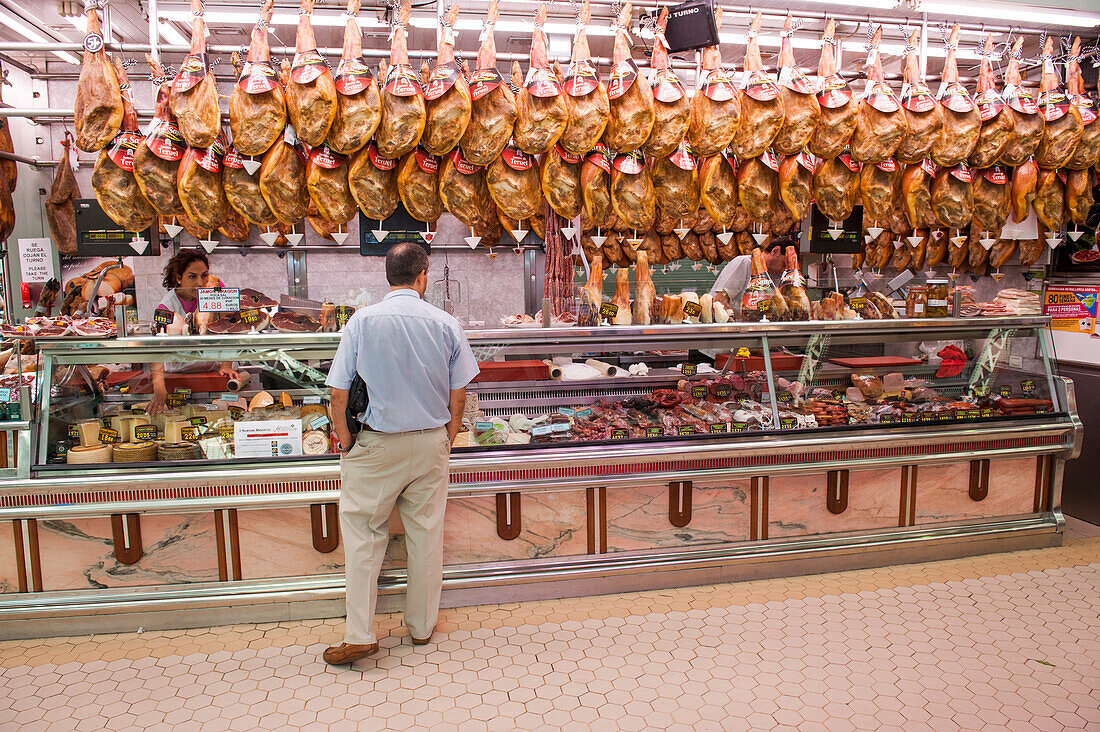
column 409, row 470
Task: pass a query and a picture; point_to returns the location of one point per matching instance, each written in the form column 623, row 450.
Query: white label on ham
column 165, row 140
column 955, row 97
column 917, row 97
column 402, row 81
column 1086, row 107
column 760, row 87
column 622, row 78
column 962, row 173
column 990, row 104
column 326, row 157
column 881, row 97
column 516, row 159
column 1053, row 105
column 719, row 86
column 1020, row 99
column 667, row 86
column 440, row 82
column 542, row 83
column 484, row 81
column 307, row 66
column 352, row 77
column 793, row 78
column 192, row 71
column 121, row 149
column 835, row 92
column 258, row 77
column 995, row 175
column 567, row 156
column 380, row 162
column 581, row 78
column 682, row 158
column 462, row 165
column 428, row 163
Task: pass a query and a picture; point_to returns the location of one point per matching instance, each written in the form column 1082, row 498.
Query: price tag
column 739, row 426
column 343, row 315
column 692, row 309
column 567, row 411
column 319, row 422
column 162, row 316
column 944, row 415
column 219, row 300
column 182, row 390
column 972, row 413
column 175, row 400
column 987, row 412
column 583, row 413
column 719, row 428
column 784, row 397
column 236, row 412
column 145, row 432
column 909, row 417
column 609, row 310
column 226, row 433
column 108, row 435
column 5, row 395
column 723, row 390
column 685, row 429
column 307, row 400
column 981, row 390
column 482, row 427
column 190, row 434
column 699, row 391
column 689, row 369
column 250, row 317
column 197, row 421
column 137, row 410
column 1005, row 391
column 787, row 423
column 653, row 432
column 618, row 433
column 925, row 416
column 1027, row 386
column 74, row 432
column 540, row 430
column 887, row 419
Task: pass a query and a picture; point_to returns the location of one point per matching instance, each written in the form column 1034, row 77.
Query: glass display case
column 541, row 389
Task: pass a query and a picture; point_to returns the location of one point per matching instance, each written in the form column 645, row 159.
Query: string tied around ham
column 795, row 25
column 872, row 45
column 94, row 5
column 201, row 11
column 945, row 33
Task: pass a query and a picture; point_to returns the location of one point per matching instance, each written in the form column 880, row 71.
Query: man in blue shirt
column 416, row 363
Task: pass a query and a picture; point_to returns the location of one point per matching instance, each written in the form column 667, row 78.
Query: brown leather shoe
column 346, row 653
column 422, row 641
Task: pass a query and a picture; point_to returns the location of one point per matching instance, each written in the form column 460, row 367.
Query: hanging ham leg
column 1050, row 200
column 952, row 197
column 962, row 122
column 60, row 205
column 596, row 188
column 836, row 187
column 761, row 104
column 156, row 161
column 676, row 184
column 1087, row 152
column 923, row 114
column 541, row 114
column 194, row 98
column 373, row 180
column 881, row 122
column 586, row 96
column 671, row 108
column 463, row 190
column 242, row 191
column 992, row 199
column 514, row 184
column 801, row 110
column 257, row 108
column 716, row 106
column 1024, row 181
column 1027, row 123
column 632, row 194
column 997, row 127
column 358, row 102
column 494, row 107
column 1078, row 195
column 796, row 176
column 1063, row 120
column 282, row 177
column 403, row 113
column 418, row 185
column 447, row 100
column 757, row 186
column 839, row 112
column 631, row 117
column 880, row 186
column 113, row 178
column 310, row 91
column 645, row 294
column 97, row 109
column 560, row 175
column 328, row 186
column 916, row 196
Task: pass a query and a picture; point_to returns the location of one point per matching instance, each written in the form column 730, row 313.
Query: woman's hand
column 230, row 373
column 156, row 403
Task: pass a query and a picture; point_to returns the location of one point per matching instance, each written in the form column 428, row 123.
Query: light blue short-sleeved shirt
column 411, row 355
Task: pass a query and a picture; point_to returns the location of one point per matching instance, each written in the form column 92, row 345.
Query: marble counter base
column 943, row 491
column 638, row 518
column 797, row 504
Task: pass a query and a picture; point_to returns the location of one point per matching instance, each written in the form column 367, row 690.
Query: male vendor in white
column 416, row 363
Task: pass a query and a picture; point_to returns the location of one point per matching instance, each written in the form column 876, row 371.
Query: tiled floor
column 1009, row 641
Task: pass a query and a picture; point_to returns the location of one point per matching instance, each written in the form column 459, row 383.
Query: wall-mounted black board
column 850, row 241
column 98, row 236
column 401, row 227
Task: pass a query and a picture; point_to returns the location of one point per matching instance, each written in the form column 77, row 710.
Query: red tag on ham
column 307, row 66
column 1020, row 99
column 352, row 77
column 581, row 78
column 682, row 158
column 428, row 163
column 600, row 157
column 962, row 172
column 667, row 86
column 542, row 83
column 1086, row 107
column 808, row 161
column 760, row 87
column 849, row 161
column 566, row 155
column 233, row 159
column 917, row 97
column 955, row 97
column 793, row 78
column 1054, row 105
column 995, row 175
column 882, row 98
column 382, row 163
column 990, row 104
column 835, row 92
column 121, row 149
column 516, row 159
column 770, row 159
column 622, row 77
column 927, row 166
column 630, row 163
column 484, row 81
column 440, row 82
column 462, row 165
column 326, row 157
column 889, row 165
column 258, row 77
column 165, row 140
column 719, row 86
column 210, row 159
column 402, row 81
column 192, row 71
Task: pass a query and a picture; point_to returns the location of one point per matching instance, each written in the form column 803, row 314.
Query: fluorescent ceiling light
column 1020, row 13
column 172, row 36
column 31, row 34
column 228, row 17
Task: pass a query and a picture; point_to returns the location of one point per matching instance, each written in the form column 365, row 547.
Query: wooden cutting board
column 869, row 362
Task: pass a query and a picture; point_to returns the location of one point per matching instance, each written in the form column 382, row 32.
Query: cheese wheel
column 135, row 452
column 315, row 442
column 310, row 409
column 88, row 454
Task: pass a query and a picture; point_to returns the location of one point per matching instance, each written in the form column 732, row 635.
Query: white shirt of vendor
column 411, row 355
column 171, row 301
column 734, row 278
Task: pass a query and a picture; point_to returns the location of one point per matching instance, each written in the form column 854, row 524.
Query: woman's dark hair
column 173, row 271
column 404, row 263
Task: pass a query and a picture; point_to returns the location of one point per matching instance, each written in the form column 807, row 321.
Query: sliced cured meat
column 630, row 120
column 447, row 102
column 801, row 110
column 358, row 101
column 761, row 103
column 288, row 321
column 923, row 114
column 257, row 107
column 839, row 111
column 671, row 107
column 541, row 114
column 254, row 299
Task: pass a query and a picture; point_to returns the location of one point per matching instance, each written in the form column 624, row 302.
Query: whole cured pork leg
column 97, row 108
column 1087, row 152
column 836, row 186
column 257, row 107
column 997, row 127
column 916, row 195
column 156, row 161
column 493, row 116
column 1079, row 197
column 1025, row 178
column 310, row 90
column 677, row 183
column 447, row 101
column 282, row 177
column 992, row 199
column 962, row 122
column 1027, row 122
column 630, row 121
column 671, row 108
column 632, row 194
column 541, row 114
column 242, row 191
column 801, row 110
column 596, row 188
column 373, row 179
column 586, row 99
column 796, row 177
column 418, row 185
column 463, row 190
column 514, row 183
column 560, row 176
column 952, row 197
column 403, row 112
column 716, row 106
column 1064, row 125
column 762, row 111
column 881, row 122
column 60, row 205
column 645, row 294
column 839, row 112
column 1050, row 200
column 757, row 186
column 328, row 185
column 880, row 186
column 358, row 101
column 922, row 112
column 194, row 98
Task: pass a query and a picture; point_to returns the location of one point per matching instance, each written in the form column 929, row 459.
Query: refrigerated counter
column 821, row 446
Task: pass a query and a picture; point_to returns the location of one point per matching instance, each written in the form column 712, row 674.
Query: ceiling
column 129, row 23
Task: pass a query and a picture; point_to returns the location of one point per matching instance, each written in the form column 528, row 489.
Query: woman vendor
column 184, row 274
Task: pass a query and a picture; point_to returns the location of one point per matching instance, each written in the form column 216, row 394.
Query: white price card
column 36, row 259
column 219, row 301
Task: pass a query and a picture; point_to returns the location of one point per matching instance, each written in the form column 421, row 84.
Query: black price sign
column 987, row 412
column 692, row 309
column 723, row 390
column 685, row 429
column 197, row 421
column 74, row 432
column 250, row 317
column 108, row 435
column 236, row 412
column 944, row 414
column 226, row 433
column 1028, row 386
column 1005, row 391
column 182, row 390
column 137, row 410
column 784, row 396
column 787, row 423
column 909, row 417
column 618, row 433
column 887, row 419
column 719, row 428
column 145, row 432
column 689, row 369
column 190, row 434
column 653, row 432
column 609, row 310
column 981, row 390
column 972, row 413
column 343, row 315
column 162, row 316
column 175, row 400
column 739, row 426
column 857, row 303
column 699, row 391
column 926, row 417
